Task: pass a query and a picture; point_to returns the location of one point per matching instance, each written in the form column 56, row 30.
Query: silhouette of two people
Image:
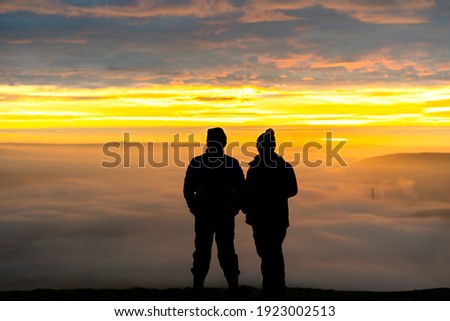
column 215, row 191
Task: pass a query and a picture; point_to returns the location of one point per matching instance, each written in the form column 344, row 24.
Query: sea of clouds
column 66, row 222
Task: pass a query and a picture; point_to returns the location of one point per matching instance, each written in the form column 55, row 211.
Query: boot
column 197, row 293
column 233, row 286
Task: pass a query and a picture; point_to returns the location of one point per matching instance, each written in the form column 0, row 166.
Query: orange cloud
column 143, row 9
column 18, row 41
column 391, row 12
column 291, row 61
column 259, row 13
column 394, row 12
column 376, row 61
column 65, row 41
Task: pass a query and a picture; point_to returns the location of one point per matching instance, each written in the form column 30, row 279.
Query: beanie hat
column 216, row 135
column 267, row 139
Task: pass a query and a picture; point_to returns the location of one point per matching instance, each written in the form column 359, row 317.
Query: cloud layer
column 67, row 223
column 264, row 43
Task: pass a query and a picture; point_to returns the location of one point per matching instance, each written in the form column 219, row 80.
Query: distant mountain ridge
column 402, row 157
column 425, row 175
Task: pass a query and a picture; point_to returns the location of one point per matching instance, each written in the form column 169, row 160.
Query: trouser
column 269, row 241
column 222, row 227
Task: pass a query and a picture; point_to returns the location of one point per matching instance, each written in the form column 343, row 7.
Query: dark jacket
column 213, row 185
column 267, row 190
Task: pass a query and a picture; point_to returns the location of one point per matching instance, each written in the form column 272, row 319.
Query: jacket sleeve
column 248, row 193
column 190, row 187
column 240, row 186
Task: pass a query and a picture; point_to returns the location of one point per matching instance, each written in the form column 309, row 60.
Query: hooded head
column 266, row 142
column 216, row 138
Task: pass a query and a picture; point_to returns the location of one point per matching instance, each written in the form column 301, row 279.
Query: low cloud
column 67, row 223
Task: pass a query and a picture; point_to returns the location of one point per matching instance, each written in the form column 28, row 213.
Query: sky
column 75, row 75
column 94, row 64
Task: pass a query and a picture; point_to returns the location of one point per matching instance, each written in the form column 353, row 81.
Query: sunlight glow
column 54, row 107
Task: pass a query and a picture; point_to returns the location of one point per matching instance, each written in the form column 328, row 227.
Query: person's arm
column 248, row 192
column 190, row 187
column 238, row 182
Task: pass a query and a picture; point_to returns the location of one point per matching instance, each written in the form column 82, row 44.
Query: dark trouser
column 223, row 228
column 269, row 241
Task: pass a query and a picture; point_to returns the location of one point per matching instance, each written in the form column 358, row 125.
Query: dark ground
column 217, row 294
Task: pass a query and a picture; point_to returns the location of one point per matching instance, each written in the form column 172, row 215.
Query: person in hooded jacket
column 212, row 188
column 270, row 182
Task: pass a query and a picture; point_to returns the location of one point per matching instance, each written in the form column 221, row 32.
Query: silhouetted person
column 212, row 189
column 270, row 182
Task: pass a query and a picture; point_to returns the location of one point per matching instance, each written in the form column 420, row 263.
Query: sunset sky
column 119, row 63
column 75, row 74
